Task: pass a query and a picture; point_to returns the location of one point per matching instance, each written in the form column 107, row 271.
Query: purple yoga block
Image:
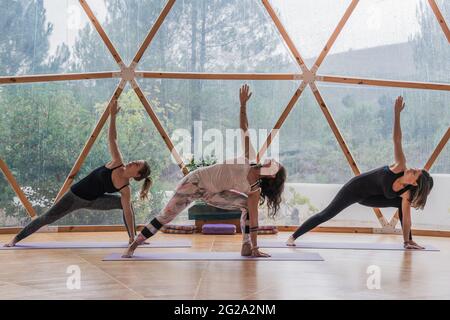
column 219, row 228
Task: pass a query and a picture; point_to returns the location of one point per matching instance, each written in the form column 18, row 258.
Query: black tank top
column 377, row 182
column 96, row 184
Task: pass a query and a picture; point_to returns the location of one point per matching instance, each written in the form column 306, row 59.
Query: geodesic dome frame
column 308, row 77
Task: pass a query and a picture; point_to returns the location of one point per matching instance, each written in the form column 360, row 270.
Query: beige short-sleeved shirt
column 225, row 176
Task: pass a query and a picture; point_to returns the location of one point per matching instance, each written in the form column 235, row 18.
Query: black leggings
column 344, row 198
column 70, row 203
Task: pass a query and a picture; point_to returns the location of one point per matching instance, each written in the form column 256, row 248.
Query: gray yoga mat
column 341, row 245
column 95, row 245
column 214, row 256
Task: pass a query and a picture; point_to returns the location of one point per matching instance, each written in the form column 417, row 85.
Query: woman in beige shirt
column 235, row 184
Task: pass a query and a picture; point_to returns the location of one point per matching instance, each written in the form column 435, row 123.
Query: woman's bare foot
column 246, row 249
column 290, row 242
column 140, row 239
column 130, row 250
column 259, row 254
column 12, row 243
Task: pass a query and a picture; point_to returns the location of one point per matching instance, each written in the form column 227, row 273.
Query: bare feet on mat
column 412, row 245
column 290, row 242
column 140, row 239
column 259, row 254
column 130, row 250
column 246, row 249
column 12, row 243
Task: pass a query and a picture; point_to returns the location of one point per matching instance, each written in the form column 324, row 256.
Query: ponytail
column 144, row 173
column 143, row 194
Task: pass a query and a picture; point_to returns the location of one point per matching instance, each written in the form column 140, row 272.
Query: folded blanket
column 267, row 230
column 178, row 228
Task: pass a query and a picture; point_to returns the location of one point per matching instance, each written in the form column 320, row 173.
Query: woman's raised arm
column 112, row 135
column 399, row 156
column 244, row 96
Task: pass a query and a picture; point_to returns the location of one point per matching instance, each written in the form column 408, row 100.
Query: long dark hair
column 144, row 173
column 419, row 194
column 271, row 191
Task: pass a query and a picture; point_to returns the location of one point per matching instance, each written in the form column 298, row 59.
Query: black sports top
column 96, row 184
column 377, row 182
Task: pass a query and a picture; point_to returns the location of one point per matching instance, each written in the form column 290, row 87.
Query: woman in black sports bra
column 389, row 186
column 94, row 190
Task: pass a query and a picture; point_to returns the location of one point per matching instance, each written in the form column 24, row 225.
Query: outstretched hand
column 399, row 104
column 244, row 94
column 114, row 109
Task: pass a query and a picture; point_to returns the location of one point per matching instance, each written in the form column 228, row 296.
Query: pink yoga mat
column 341, row 245
column 214, row 256
column 95, row 245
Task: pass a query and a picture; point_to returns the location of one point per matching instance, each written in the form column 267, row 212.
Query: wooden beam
column 285, row 35
column 428, row 165
column 90, row 142
column 101, row 32
column 151, row 34
column 334, row 35
column 159, row 126
column 440, row 18
column 384, row 83
column 348, row 155
column 220, row 76
column 280, row 121
column 56, row 77
column 15, row 186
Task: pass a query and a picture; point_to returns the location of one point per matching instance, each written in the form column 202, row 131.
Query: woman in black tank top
column 94, row 190
column 389, row 186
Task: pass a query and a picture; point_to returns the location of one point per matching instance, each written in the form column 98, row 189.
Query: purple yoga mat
column 95, row 245
column 214, row 256
column 341, row 245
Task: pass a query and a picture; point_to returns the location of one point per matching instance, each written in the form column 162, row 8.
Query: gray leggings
column 67, row 204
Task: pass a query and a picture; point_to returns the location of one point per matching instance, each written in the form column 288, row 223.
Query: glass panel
column 305, row 145
column 138, row 139
column 127, row 22
column 398, row 40
column 365, row 117
column 49, row 124
column 50, row 36
column 316, row 167
column 45, row 130
column 444, row 7
column 197, row 108
column 12, row 213
column 218, row 36
column 310, row 23
column 208, row 111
